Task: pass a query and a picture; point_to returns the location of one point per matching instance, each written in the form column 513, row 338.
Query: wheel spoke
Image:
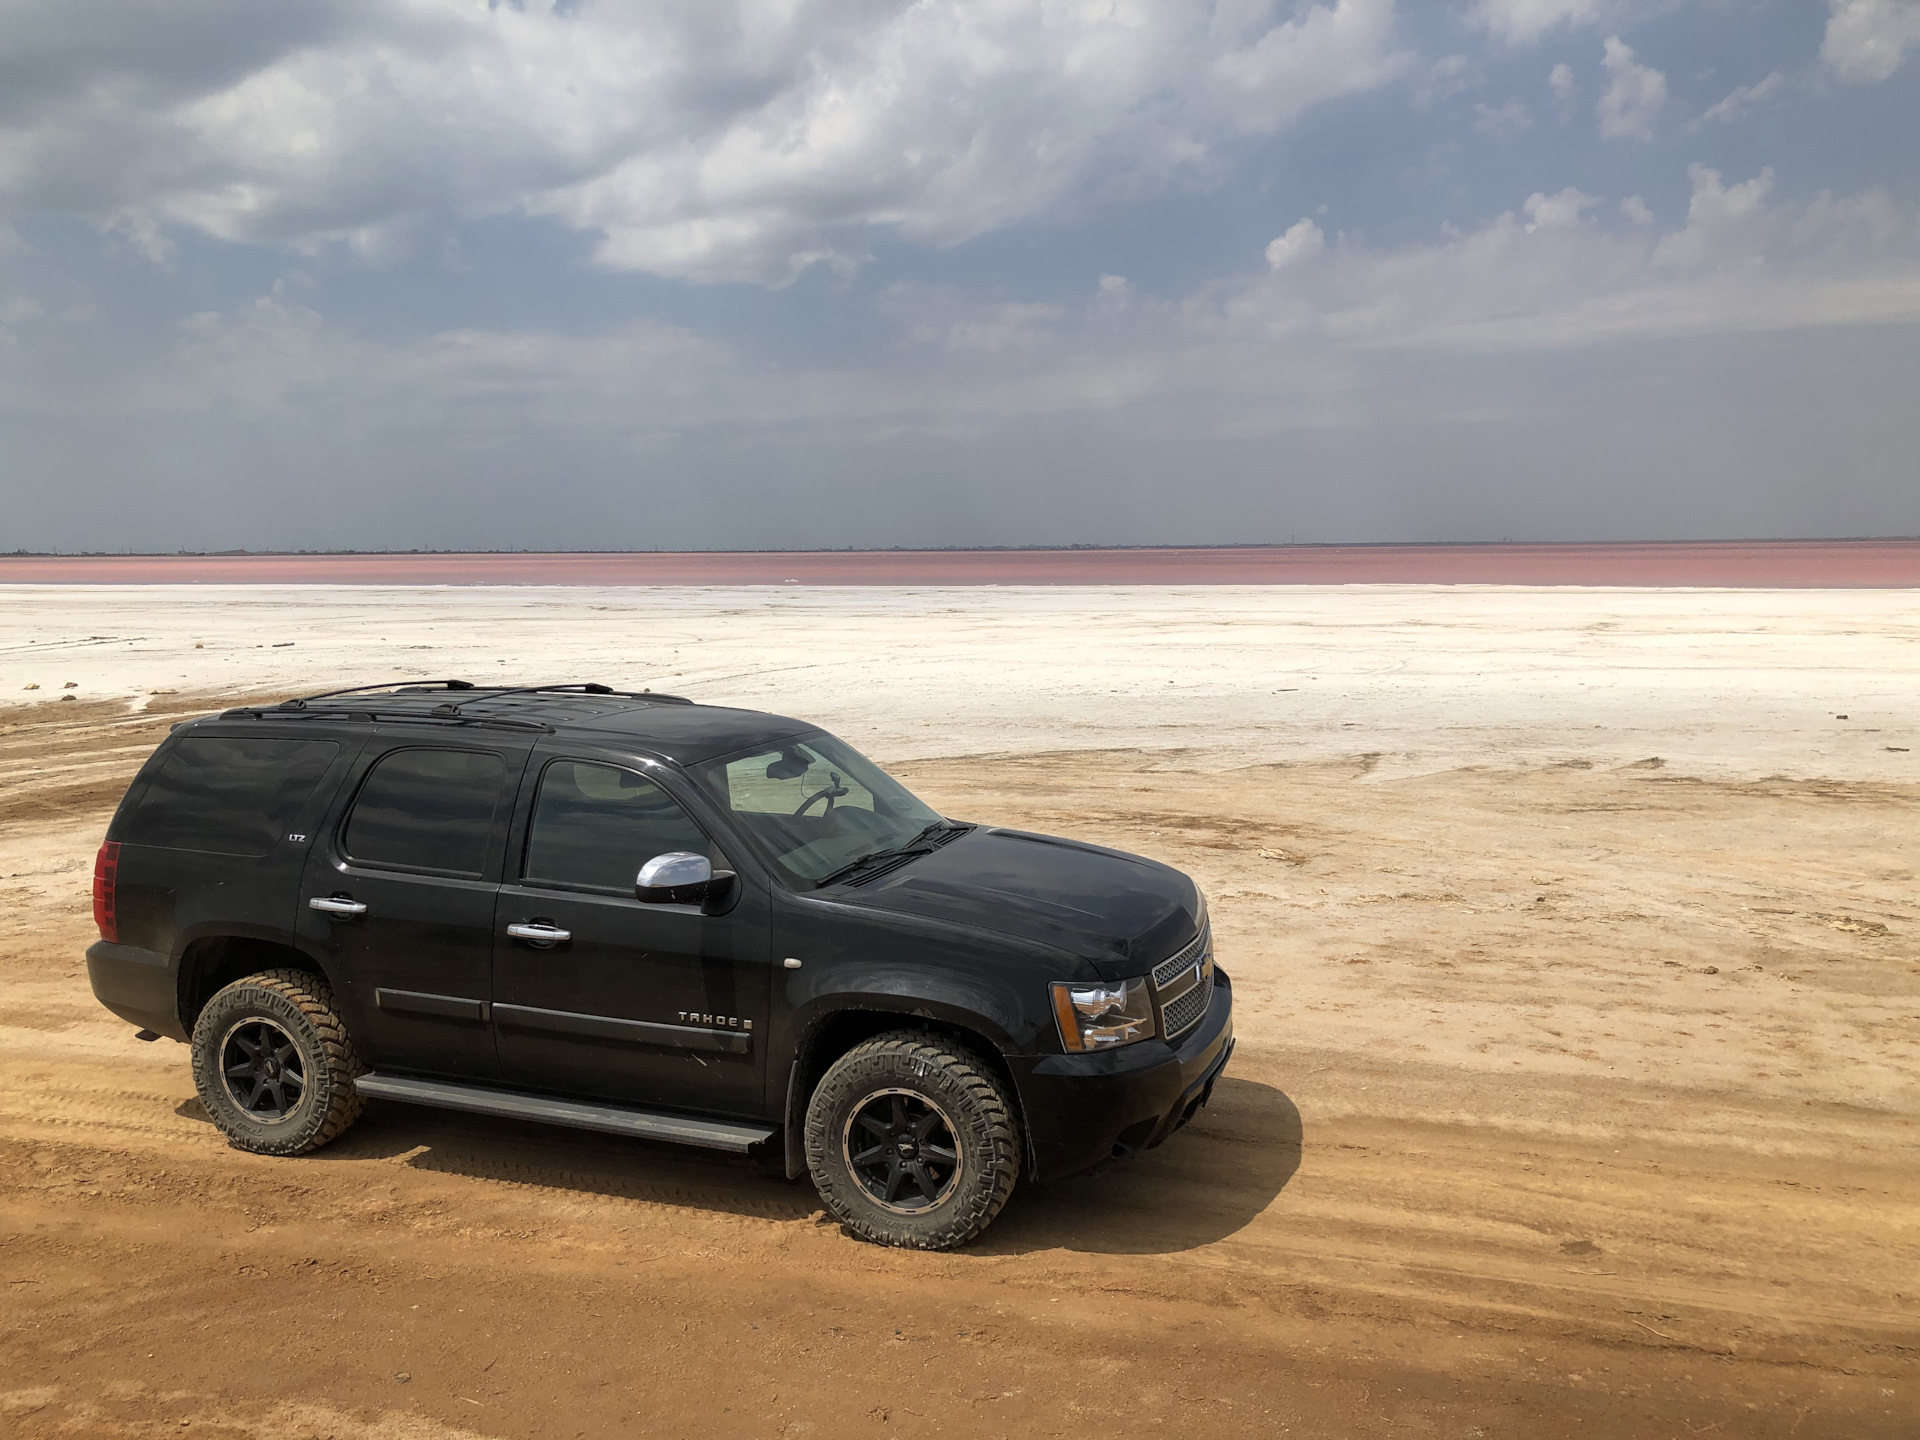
column 895, row 1171
column 899, row 1114
column 252, row 1050
column 868, row 1157
column 924, row 1126
column 279, row 1094
column 940, row 1155
column 924, row 1180
column 877, row 1127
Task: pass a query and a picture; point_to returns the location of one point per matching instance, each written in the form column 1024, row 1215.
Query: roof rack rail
column 301, row 702
column 453, row 708
column 370, row 716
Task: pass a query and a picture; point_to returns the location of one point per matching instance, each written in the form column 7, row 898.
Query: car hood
column 1123, row 913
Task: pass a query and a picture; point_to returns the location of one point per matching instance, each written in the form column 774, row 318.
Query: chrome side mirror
column 674, row 869
column 680, row 877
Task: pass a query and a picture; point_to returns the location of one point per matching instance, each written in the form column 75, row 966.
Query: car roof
column 668, row 726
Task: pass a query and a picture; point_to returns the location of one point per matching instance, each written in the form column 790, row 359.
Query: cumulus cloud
column 1725, row 223
column 1634, row 97
column 1302, row 241
column 1521, row 22
column 1561, row 211
column 733, row 140
column 1867, row 40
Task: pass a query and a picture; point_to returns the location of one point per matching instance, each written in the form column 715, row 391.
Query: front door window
column 594, row 826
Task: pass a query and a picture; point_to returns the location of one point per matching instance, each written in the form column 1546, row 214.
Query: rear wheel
column 273, row 1064
column 912, row 1142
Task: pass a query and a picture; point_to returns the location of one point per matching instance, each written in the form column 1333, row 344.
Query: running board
column 733, row 1135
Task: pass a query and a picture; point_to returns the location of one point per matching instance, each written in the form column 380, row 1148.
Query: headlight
column 1099, row 1017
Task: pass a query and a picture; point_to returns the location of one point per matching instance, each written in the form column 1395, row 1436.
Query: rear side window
column 228, row 795
column 428, row 810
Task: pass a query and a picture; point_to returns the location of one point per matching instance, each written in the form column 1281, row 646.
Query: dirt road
column 1570, row 1100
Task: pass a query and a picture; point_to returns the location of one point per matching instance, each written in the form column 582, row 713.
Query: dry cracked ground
column 1570, row 1101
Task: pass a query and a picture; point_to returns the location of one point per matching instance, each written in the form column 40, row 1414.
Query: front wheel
column 912, row 1142
column 273, row 1064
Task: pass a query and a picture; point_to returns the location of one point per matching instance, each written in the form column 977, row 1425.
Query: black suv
column 635, row 914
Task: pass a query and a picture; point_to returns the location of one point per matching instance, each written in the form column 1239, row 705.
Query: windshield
column 816, row 804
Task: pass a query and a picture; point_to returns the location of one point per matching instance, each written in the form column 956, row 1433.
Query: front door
column 598, row 993
column 399, row 894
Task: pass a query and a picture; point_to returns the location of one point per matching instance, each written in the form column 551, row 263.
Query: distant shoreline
column 1769, row 564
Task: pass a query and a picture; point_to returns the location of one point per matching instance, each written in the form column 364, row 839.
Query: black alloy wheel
column 901, row 1147
column 261, row 1068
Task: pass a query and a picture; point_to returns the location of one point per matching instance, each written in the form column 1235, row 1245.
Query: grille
column 1167, row 971
column 1183, row 1014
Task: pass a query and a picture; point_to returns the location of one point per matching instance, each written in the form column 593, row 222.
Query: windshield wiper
column 907, row 851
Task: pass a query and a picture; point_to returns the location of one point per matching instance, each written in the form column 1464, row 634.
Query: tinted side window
column 428, row 810
column 228, row 795
column 595, row 826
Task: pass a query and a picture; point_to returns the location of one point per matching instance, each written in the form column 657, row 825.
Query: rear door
column 214, row 838
column 652, row 1004
column 399, row 896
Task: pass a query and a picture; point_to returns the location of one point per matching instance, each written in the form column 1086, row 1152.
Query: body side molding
column 633, row 1032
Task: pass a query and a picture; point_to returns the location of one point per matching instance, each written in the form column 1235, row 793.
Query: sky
column 580, row 274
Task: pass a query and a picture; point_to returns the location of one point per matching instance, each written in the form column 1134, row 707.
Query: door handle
column 539, row 932
column 334, row 905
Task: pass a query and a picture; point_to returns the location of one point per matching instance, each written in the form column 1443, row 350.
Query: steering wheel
column 832, row 793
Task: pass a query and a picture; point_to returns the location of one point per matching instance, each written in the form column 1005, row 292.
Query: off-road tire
column 954, row 1081
column 301, row 1006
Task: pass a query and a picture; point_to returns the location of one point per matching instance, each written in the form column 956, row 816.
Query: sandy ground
column 1574, row 937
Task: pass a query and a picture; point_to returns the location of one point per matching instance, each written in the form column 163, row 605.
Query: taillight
column 106, row 872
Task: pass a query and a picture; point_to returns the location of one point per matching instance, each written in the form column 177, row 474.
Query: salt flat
column 1729, row 683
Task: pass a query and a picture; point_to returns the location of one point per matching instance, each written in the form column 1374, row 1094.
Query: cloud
column 732, row 140
column 1725, row 223
column 1257, row 351
column 1562, row 211
column 1743, row 98
column 1449, row 76
column 1553, row 276
column 1521, row 22
column 1560, row 80
column 1867, row 40
column 1634, row 96
column 134, row 235
column 1302, row 241
column 1509, row 119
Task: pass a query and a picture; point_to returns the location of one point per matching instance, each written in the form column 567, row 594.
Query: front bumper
column 1081, row 1109
column 140, row 986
